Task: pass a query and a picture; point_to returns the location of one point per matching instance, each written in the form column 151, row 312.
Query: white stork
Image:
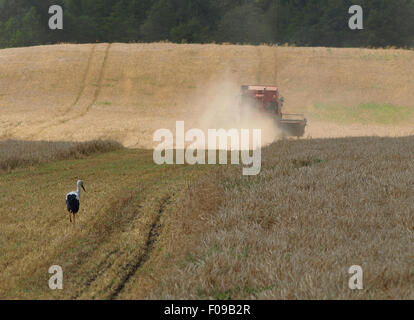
column 73, row 201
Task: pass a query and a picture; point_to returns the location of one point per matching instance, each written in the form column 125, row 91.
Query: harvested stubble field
column 127, row 91
column 144, row 231
column 147, row 231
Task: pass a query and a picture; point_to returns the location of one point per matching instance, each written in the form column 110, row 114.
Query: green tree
column 301, row 22
column 244, row 24
column 22, row 31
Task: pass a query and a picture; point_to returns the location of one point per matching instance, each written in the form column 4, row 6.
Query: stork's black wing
column 72, row 203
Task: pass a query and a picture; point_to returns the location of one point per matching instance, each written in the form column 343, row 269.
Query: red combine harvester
column 267, row 99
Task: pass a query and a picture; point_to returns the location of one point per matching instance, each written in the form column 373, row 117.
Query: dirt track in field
column 127, row 91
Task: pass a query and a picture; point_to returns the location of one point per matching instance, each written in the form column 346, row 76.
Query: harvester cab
column 268, row 100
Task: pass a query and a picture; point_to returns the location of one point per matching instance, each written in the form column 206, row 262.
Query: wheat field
column 317, row 208
column 127, row 91
column 339, row 196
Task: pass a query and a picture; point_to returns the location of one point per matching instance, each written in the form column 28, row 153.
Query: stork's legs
column 71, row 214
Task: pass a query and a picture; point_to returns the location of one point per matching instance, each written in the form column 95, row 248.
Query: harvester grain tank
column 268, row 100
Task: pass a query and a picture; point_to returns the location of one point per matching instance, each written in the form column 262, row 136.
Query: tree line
column 298, row 22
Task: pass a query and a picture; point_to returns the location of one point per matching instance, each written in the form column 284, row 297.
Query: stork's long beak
column 83, row 188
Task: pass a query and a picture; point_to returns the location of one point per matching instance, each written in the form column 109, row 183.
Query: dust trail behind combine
column 218, row 106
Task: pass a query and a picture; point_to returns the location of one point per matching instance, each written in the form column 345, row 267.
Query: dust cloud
column 217, row 106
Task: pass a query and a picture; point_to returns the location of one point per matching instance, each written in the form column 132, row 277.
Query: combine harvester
column 268, row 100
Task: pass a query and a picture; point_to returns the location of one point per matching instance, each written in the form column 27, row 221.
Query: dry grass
column 198, row 232
column 15, row 153
column 127, row 91
column 127, row 195
column 317, row 208
column 182, row 227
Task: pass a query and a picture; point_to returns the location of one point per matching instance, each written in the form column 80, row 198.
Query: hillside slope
column 127, row 91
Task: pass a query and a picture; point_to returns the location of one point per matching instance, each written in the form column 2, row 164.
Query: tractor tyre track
column 100, row 82
column 81, row 93
column 152, row 240
column 133, row 264
column 260, row 66
column 83, row 83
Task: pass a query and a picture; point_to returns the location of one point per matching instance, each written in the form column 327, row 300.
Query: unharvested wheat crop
column 14, row 153
column 317, row 208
